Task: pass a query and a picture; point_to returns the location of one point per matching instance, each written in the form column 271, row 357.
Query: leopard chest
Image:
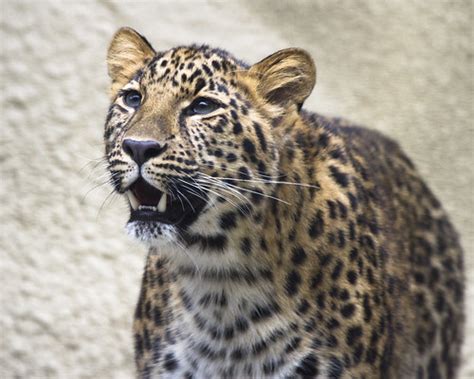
column 226, row 324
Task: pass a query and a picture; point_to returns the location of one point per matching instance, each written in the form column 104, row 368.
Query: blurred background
column 69, row 276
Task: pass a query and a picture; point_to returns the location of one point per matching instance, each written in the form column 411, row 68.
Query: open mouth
column 150, row 204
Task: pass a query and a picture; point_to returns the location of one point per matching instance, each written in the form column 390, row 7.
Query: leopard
column 281, row 243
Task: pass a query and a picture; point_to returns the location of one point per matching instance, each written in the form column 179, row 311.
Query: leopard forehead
column 186, row 70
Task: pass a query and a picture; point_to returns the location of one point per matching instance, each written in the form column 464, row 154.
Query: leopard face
column 188, row 135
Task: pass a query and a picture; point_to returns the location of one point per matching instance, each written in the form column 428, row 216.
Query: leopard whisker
column 250, row 191
column 223, row 186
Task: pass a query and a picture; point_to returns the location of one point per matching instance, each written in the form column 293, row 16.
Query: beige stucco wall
column 69, row 276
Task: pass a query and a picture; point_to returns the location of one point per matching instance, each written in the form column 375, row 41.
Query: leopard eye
column 202, row 106
column 132, row 98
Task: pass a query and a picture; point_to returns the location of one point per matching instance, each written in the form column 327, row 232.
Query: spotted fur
column 320, row 252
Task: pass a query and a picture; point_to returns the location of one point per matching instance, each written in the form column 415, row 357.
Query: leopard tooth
column 133, row 200
column 162, row 204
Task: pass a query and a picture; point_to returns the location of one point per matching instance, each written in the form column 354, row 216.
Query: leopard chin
column 152, row 233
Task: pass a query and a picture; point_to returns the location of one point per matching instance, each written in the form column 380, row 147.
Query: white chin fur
column 151, row 234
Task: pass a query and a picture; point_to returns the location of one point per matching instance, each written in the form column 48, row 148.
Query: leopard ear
column 286, row 77
column 128, row 52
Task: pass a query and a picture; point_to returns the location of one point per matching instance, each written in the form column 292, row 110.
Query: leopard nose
column 141, row 151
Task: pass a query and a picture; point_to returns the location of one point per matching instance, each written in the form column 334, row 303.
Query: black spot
column 206, row 351
column 262, row 170
column 334, row 291
column 323, row 140
column 358, row 351
column 367, row 241
column 237, row 129
column 316, row 280
column 333, row 323
column 228, row 220
column 321, row 300
column 207, row 69
column 241, row 324
column 332, row 341
column 370, row 276
column 299, row 255
column 308, row 367
column 200, row 83
column 339, row 155
column 342, row 210
column 293, row 344
column 228, row 333
column 332, row 209
column 194, row 75
column 293, row 281
column 216, row 65
column 222, row 300
column 353, row 201
column 339, row 177
column 344, row 295
column 352, row 232
column 316, row 227
column 352, row 277
column 260, row 346
column 157, row 318
column 433, row 370
column 138, row 345
column 246, row 246
column 353, row 334
column 237, row 354
column 186, row 300
column 170, row 362
column 439, row 302
column 261, row 312
column 337, row 270
column 260, row 136
column 367, row 309
column 244, row 173
column 371, row 355
column 248, row 146
column 257, row 197
column 434, row 276
column 325, row 259
column 231, row 157
column 215, row 243
column 335, row 368
column 303, row 306
column 354, row 254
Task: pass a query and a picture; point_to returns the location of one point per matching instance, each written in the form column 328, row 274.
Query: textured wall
column 69, row 276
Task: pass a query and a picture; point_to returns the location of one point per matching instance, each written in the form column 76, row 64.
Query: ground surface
column 69, row 276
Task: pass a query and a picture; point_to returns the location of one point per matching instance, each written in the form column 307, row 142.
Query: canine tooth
column 133, row 200
column 162, row 204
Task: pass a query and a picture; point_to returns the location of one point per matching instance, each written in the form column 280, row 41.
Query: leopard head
column 192, row 133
